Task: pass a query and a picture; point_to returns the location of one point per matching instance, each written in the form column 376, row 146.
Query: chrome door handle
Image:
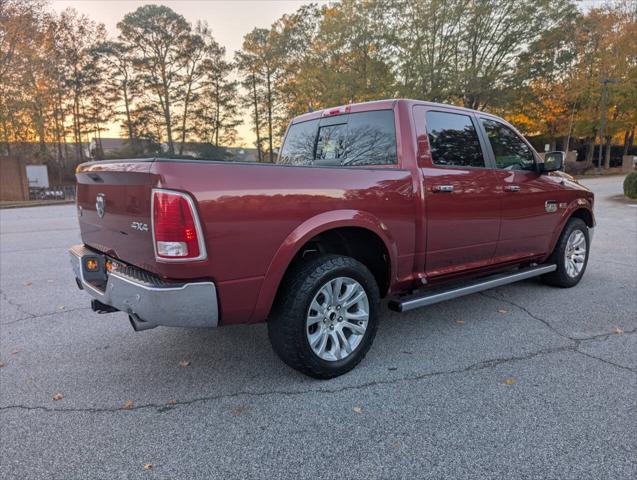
column 512, row 188
column 442, row 188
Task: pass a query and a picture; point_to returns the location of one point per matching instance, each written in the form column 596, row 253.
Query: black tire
column 287, row 324
column 560, row 277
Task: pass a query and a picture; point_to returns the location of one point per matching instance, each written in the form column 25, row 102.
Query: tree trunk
column 40, row 128
column 590, row 150
column 169, row 130
column 164, row 100
column 165, row 104
column 77, row 128
column 629, row 138
column 5, row 134
column 99, row 140
column 83, row 114
column 58, row 135
column 256, row 116
column 129, row 123
column 217, row 114
column 269, row 86
column 183, row 120
column 608, row 139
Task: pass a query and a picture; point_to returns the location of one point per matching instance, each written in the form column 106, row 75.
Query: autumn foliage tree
column 552, row 67
column 539, row 63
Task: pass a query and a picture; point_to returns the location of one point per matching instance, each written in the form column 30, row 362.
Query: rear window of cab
column 354, row 139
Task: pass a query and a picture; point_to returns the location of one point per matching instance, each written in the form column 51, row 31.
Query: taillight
column 176, row 230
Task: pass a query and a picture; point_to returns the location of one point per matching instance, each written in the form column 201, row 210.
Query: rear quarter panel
column 250, row 211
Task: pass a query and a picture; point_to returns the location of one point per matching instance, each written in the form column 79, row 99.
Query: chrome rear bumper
column 147, row 298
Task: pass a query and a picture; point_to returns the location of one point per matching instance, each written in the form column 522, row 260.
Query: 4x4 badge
column 142, row 227
column 100, row 205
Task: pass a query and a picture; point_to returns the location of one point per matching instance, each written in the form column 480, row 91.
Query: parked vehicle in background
column 64, row 192
column 415, row 201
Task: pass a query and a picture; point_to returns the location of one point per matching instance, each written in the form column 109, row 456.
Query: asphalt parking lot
column 524, row 381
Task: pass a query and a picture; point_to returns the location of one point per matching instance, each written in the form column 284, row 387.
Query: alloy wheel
column 337, row 318
column 575, row 253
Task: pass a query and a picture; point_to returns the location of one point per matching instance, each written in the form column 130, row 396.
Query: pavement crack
column 608, row 362
column 35, row 317
column 604, row 336
column 530, row 314
column 545, row 322
column 161, row 408
column 18, row 307
column 577, row 341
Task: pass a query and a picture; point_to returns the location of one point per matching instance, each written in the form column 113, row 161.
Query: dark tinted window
column 367, row 138
column 298, row 148
column 330, row 145
column 453, row 140
column 511, row 152
column 371, row 139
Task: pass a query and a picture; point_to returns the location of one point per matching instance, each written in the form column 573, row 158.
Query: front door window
column 510, row 151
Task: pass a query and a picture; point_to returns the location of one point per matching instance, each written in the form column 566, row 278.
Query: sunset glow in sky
column 229, row 21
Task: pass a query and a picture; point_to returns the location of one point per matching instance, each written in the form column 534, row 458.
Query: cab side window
column 298, row 148
column 371, row 139
column 330, row 145
column 510, row 151
column 355, row 139
column 453, row 140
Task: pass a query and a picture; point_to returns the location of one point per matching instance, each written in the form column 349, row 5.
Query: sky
column 229, row 21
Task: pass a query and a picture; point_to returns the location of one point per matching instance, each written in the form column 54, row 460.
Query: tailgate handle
column 442, row 188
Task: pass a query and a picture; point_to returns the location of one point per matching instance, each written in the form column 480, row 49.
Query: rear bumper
column 146, row 297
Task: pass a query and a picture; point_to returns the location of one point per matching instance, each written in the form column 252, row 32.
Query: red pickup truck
column 412, row 201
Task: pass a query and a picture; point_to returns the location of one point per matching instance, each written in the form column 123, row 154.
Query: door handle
column 442, row 188
column 512, row 188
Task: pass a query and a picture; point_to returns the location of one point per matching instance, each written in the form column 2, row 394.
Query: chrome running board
column 435, row 295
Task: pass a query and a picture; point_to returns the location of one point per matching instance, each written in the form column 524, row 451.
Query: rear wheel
column 570, row 255
column 326, row 316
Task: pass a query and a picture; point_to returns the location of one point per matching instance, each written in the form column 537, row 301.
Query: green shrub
column 630, row 185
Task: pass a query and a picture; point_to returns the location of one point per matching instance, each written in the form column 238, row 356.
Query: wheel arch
column 331, row 227
column 584, row 214
column 577, row 209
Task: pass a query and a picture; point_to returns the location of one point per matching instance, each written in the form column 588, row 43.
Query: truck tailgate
column 114, row 209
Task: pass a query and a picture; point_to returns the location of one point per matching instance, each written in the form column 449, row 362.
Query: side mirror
column 553, row 161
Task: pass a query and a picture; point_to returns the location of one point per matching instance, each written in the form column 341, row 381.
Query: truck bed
column 248, row 212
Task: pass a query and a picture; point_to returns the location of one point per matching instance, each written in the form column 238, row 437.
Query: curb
column 35, row 203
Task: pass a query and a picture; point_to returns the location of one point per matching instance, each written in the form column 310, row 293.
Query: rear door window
column 453, row 140
column 356, row 139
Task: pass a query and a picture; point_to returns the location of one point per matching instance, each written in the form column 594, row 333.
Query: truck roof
column 377, row 105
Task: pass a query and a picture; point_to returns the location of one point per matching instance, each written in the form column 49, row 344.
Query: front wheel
column 570, row 255
column 326, row 316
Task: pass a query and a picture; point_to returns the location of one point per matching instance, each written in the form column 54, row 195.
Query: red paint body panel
column 463, row 225
column 526, row 228
column 256, row 217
